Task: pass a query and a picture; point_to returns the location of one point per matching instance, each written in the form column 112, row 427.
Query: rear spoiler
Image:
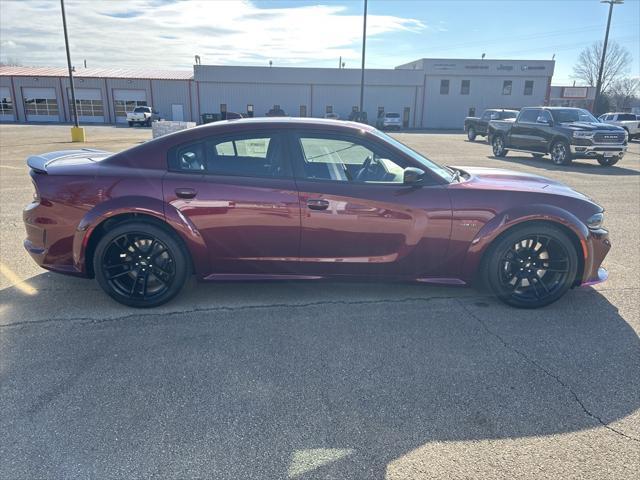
column 39, row 163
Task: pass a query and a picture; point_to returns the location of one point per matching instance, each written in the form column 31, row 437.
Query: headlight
column 594, row 222
column 626, row 136
column 580, row 134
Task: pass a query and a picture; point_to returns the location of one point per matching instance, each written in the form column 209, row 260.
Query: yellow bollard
column 77, row 134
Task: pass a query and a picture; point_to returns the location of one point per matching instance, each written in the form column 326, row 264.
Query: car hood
column 508, row 180
column 591, row 126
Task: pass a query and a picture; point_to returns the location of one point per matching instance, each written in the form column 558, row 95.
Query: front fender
column 516, row 216
column 143, row 206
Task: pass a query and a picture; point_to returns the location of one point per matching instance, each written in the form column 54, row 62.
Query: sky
column 168, row 33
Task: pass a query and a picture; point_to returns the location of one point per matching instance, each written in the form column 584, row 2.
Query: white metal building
column 427, row 93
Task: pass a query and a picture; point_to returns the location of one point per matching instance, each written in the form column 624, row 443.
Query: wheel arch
column 503, row 224
column 106, row 216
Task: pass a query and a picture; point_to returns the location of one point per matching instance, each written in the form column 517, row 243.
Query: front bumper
column 596, row 248
column 599, row 150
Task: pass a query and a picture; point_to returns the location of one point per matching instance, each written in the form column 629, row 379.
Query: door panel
column 250, row 225
column 373, row 229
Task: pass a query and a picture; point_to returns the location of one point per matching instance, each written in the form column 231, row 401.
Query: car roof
column 290, row 122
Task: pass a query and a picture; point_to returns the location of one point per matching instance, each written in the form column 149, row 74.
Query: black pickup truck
column 563, row 133
column 475, row 126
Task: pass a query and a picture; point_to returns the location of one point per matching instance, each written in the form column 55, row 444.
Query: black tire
column 471, row 134
column 608, row 161
column 497, row 143
column 541, row 255
column 130, row 124
column 560, row 153
column 148, row 122
column 123, row 264
column 537, row 155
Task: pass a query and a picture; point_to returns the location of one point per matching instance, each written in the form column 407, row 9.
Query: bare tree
column 616, row 63
column 10, row 62
column 623, row 91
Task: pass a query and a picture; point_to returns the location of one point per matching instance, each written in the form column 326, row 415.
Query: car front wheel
column 560, row 153
column 531, row 266
column 471, row 134
column 140, row 265
column 498, row 146
column 608, row 161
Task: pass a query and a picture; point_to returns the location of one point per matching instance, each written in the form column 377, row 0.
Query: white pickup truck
column 141, row 116
column 628, row 121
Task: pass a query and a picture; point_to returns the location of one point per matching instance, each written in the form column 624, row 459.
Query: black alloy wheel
column 532, row 266
column 140, row 265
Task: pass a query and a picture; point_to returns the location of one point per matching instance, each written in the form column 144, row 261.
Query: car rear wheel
column 140, row 265
column 498, row 146
column 560, row 153
column 531, row 266
column 608, row 161
column 471, row 134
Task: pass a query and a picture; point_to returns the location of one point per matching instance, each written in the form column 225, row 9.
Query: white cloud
column 165, row 33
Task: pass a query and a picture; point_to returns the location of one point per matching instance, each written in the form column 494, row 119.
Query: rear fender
column 516, row 216
column 144, row 206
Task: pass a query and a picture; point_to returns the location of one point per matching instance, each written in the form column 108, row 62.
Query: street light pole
column 77, row 133
column 364, row 43
column 604, row 53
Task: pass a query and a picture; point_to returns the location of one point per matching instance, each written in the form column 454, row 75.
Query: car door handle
column 186, row 192
column 317, row 204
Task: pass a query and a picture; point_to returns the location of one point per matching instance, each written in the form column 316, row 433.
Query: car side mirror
column 413, row 176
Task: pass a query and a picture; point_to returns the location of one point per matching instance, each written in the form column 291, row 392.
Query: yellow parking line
column 16, row 281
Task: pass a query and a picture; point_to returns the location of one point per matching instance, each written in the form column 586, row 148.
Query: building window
column 472, row 112
column 506, row 87
column 6, row 106
column 124, row 106
column 41, row 106
column 303, row 110
column 444, row 87
column 465, row 87
column 329, row 109
column 87, row 108
column 528, row 87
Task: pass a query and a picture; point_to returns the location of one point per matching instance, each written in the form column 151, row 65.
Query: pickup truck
column 475, row 126
column 141, row 116
column 628, row 121
column 563, row 133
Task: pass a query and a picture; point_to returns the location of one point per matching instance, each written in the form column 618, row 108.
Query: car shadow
column 306, row 380
column 582, row 166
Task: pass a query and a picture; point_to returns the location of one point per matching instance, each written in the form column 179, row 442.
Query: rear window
column 141, row 109
column 392, row 115
column 626, row 116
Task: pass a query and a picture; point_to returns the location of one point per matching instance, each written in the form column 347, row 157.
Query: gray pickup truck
column 563, row 133
column 478, row 126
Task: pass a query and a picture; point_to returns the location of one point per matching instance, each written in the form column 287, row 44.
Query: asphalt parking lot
column 330, row 380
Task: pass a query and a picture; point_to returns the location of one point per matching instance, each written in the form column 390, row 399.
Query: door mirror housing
column 413, row 176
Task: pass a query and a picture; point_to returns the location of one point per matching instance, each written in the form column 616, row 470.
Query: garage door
column 41, row 104
column 7, row 112
column 89, row 103
column 126, row 100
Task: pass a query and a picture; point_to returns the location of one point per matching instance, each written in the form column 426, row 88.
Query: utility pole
column 77, row 133
column 604, row 53
column 364, row 44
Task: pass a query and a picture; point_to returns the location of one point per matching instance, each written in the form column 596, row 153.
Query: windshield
column 509, row 115
column 571, row 115
column 443, row 172
column 141, row 109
